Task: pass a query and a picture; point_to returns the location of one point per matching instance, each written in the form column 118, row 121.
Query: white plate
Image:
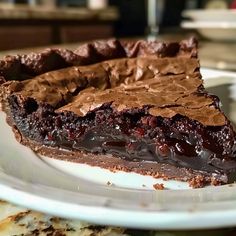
column 216, row 15
column 214, row 24
column 220, row 31
column 79, row 191
column 209, row 24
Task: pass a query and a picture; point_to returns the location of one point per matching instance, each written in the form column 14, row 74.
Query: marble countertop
column 22, row 12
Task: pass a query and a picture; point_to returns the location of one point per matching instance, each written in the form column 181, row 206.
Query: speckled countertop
column 19, row 221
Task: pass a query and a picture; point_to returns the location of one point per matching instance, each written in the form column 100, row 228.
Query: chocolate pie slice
column 133, row 106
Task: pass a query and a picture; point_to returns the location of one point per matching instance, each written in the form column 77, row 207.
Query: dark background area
column 133, row 14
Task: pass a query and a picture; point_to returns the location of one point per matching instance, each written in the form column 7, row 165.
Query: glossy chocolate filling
column 133, row 135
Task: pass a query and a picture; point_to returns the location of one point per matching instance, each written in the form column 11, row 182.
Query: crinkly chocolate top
column 23, row 67
column 161, row 76
column 181, row 95
column 61, row 86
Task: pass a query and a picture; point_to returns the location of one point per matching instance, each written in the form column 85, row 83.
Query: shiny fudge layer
column 169, row 119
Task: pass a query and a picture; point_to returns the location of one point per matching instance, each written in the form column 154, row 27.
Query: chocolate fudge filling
column 133, row 135
column 176, row 123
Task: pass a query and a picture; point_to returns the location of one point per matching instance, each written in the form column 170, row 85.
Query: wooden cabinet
column 24, row 36
column 70, row 34
column 22, row 26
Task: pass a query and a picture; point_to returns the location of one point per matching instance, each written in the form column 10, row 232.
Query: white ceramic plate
column 213, row 15
column 213, row 24
column 79, row 191
column 220, row 31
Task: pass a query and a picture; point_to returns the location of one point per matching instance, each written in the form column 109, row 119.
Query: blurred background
column 28, row 23
column 35, row 23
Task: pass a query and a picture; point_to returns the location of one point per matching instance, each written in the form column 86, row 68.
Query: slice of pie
column 132, row 106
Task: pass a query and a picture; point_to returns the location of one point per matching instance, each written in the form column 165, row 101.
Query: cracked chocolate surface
column 53, row 87
column 22, row 67
column 180, row 95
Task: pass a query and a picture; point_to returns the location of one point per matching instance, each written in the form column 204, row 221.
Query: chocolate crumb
column 109, row 183
column 158, row 186
column 197, row 182
column 215, row 182
column 143, row 204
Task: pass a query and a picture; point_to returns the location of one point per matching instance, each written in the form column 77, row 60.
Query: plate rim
column 116, row 217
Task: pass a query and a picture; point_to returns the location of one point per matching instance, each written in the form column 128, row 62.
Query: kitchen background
column 29, row 23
